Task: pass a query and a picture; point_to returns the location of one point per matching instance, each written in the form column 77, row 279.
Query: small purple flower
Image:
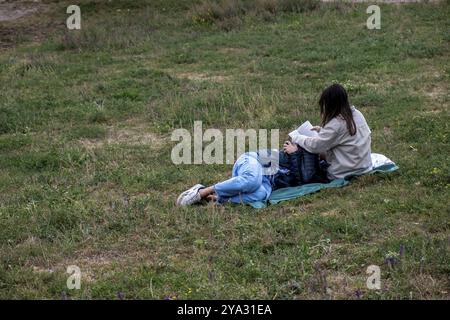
column 120, row 295
column 64, row 296
column 391, row 261
column 358, row 293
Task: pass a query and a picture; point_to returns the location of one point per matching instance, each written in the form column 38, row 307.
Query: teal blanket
column 295, row 192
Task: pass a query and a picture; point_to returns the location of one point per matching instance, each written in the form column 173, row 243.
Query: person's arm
column 327, row 139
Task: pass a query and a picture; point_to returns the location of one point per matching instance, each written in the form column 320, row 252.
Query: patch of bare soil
column 14, row 10
column 25, row 21
column 195, row 76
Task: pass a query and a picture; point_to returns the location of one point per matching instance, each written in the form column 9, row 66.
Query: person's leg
column 247, row 178
column 205, row 192
column 244, row 186
column 260, row 194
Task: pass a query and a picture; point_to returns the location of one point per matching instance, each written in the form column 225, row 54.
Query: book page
column 305, row 129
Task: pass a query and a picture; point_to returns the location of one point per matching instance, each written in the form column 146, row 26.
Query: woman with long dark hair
column 343, row 135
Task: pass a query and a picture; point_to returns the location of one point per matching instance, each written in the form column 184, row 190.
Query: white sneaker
column 190, row 196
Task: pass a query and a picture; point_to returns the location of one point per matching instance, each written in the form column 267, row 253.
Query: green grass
column 86, row 177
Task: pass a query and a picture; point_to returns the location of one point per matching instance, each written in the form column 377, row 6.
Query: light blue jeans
column 248, row 184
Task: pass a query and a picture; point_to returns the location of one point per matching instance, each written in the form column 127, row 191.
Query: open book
column 305, row 129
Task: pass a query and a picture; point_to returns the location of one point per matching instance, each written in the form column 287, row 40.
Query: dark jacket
column 302, row 167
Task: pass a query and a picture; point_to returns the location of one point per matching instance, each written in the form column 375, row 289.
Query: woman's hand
column 316, row 128
column 289, row 147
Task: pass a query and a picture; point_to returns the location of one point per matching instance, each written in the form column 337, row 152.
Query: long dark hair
column 334, row 102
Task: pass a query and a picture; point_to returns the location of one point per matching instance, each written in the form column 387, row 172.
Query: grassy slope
column 86, row 176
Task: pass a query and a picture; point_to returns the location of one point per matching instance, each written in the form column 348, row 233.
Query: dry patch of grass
column 437, row 92
column 330, row 213
column 233, row 50
column 128, row 136
column 428, row 287
column 197, row 76
column 343, row 286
